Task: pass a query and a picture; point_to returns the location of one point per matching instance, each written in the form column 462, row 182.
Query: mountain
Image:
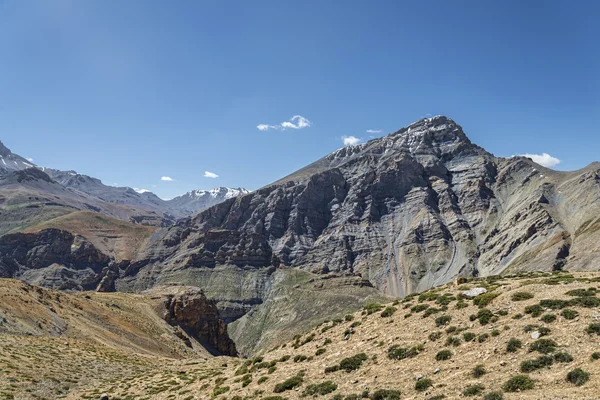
column 408, row 211
column 198, row 200
column 75, row 191
column 397, row 215
column 12, row 162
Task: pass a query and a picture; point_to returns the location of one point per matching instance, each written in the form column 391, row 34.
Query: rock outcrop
column 189, row 309
column 52, row 258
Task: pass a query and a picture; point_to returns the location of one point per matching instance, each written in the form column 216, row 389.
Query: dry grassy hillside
column 52, row 343
column 116, row 238
column 521, row 340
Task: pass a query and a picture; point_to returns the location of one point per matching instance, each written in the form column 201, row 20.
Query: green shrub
column 582, row 292
column 484, row 299
column 445, row 299
column 587, row 302
column 355, row 324
column 453, row 341
column 468, row 336
column 478, row 371
column 353, row 363
column 373, row 308
column 484, row 316
column 385, row 394
column 518, row 383
column 554, row 304
column 483, row 337
column 593, row 329
column 320, row 389
column 535, row 310
column 262, row 380
column 595, row 356
column 443, row 355
column 544, row 331
column 220, row 390
column 516, row 316
column 461, row 304
column 578, row 377
column 567, row 313
column 272, row 369
column 423, row 384
column 332, row 368
column 443, row 320
column 544, row 346
column 495, row 332
column 520, row 296
column 419, row 307
column 428, row 296
column 289, row 383
column 493, row 396
column 451, row 329
column 287, row 356
column 538, row 363
column 548, row 318
column 433, row 336
column 563, row 357
column 513, row 345
column 300, row 358
column 349, row 317
column 473, row 390
column 431, row 311
column 320, row 351
column 396, row 352
column 388, row 312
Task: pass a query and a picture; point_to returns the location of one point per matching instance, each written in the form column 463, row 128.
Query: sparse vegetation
column 518, row 383
column 493, row 396
column 593, row 329
column 548, row 318
column 289, row 383
column 443, row 355
column 384, row 394
column 423, row 384
column 544, row 346
column 373, row 308
column 443, row 320
column 513, row 345
column 478, row 371
column 521, row 296
column 388, row 312
column 485, row 299
column 567, row 313
column 474, row 390
column 396, row 352
column 578, row 377
column 320, row 389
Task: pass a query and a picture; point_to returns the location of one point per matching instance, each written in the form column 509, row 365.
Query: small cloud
column 29, row 159
column 208, row 174
column 544, row 159
column 374, row 131
column 166, row 178
column 296, row 122
column 351, row 140
column 140, row 190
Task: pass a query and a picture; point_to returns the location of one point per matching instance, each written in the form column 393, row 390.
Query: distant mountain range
column 140, row 206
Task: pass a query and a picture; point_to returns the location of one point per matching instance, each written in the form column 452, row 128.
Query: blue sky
column 131, row 91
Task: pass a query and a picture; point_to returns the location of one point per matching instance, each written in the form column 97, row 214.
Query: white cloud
column 166, row 178
column 350, row 140
column 296, row 122
column 374, row 131
column 544, row 159
column 140, row 190
column 208, row 174
column 29, row 159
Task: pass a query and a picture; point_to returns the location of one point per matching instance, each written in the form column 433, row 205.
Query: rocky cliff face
column 408, row 211
column 189, row 309
column 52, row 258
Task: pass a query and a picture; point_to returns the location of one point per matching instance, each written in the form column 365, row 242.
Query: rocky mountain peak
column 4, row 151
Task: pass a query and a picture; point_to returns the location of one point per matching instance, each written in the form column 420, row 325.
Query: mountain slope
column 408, row 211
column 438, row 345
